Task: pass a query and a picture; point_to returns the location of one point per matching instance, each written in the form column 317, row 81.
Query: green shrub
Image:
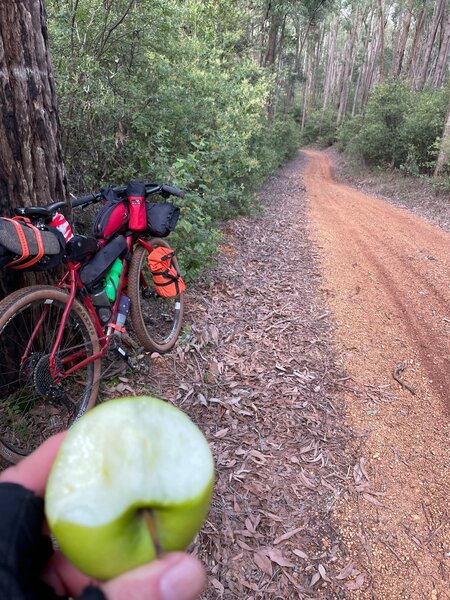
column 179, row 100
column 320, row 128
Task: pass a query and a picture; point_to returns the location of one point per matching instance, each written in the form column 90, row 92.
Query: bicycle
column 57, row 335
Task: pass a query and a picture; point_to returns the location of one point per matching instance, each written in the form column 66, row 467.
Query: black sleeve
column 24, row 551
column 92, row 593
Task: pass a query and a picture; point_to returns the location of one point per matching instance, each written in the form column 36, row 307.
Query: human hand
column 177, row 576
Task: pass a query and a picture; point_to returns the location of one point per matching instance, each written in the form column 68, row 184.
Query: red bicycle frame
column 72, row 283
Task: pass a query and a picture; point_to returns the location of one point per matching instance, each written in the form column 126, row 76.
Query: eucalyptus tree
column 31, row 160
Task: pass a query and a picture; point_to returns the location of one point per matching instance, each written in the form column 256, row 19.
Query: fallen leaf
column 276, row 557
column 323, row 573
column 287, row 535
column 355, row 584
column 217, row 585
column 222, row 432
column 263, row 563
column 300, row 553
column 346, row 571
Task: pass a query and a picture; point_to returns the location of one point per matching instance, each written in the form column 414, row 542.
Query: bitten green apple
column 133, row 478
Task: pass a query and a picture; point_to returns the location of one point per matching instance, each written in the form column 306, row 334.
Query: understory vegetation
column 214, row 96
column 168, row 91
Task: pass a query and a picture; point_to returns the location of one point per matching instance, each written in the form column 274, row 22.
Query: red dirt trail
column 387, row 278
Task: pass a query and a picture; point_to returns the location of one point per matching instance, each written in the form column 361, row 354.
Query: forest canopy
column 214, row 96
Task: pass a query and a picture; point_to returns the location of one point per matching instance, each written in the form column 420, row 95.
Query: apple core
column 121, row 460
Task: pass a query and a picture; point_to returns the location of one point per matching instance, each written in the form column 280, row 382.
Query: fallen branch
column 396, row 375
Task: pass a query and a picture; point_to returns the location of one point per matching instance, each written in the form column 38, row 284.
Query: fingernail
column 182, row 581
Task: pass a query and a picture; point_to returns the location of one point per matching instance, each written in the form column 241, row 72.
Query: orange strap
column 117, row 327
column 24, row 245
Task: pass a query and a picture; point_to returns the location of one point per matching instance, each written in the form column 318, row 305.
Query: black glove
column 24, row 551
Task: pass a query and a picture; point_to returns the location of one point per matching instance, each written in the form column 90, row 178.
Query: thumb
column 177, row 576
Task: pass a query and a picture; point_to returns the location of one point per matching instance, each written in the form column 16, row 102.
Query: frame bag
column 97, row 268
column 168, row 282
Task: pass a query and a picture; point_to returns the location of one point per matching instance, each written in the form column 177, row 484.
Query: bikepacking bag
column 97, row 268
column 136, row 205
column 162, row 218
column 112, row 218
column 25, row 247
column 81, row 248
column 168, row 282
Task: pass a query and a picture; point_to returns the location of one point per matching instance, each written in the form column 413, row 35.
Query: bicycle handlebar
column 150, row 189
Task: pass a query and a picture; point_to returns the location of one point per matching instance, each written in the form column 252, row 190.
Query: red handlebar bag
column 136, row 205
column 168, row 282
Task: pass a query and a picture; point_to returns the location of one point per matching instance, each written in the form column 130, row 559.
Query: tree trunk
column 270, row 56
column 381, row 10
column 400, row 51
column 347, row 70
column 412, row 57
column 441, row 64
column 31, row 160
column 435, row 22
column 444, row 153
column 331, row 65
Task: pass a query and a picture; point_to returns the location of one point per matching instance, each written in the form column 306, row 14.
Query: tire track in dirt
column 387, row 275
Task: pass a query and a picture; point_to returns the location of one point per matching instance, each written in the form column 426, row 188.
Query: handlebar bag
column 95, row 269
column 136, row 205
column 167, row 280
column 30, row 248
column 112, row 218
column 162, row 218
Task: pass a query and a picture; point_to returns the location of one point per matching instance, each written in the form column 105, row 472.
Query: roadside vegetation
column 214, row 97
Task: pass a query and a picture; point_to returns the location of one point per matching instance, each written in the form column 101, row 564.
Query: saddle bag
column 168, row 282
column 136, row 205
column 112, row 218
column 97, row 268
column 162, row 218
column 25, row 247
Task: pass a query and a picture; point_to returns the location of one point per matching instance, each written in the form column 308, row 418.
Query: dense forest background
column 214, row 96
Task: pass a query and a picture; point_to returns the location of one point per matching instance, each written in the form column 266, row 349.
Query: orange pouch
column 168, row 282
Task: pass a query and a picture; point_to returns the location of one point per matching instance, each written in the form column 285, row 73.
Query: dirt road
column 387, row 277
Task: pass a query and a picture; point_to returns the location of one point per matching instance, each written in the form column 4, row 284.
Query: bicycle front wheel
column 156, row 320
column 37, row 398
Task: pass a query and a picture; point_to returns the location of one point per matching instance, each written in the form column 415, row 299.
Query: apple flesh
column 133, row 478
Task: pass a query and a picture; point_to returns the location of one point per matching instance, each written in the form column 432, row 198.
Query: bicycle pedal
column 123, row 354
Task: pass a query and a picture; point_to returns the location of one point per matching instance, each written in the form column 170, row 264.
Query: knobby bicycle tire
column 32, row 405
column 156, row 321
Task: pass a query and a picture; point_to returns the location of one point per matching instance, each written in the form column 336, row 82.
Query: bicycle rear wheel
column 156, row 321
column 35, row 402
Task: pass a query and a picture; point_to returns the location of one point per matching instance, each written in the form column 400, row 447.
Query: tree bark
column 444, row 153
column 31, row 159
column 381, row 10
column 400, row 50
column 435, row 22
column 441, row 64
column 331, row 64
column 347, row 69
column 412, row 57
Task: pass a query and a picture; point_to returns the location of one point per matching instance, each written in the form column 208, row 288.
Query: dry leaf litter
column 255, row 369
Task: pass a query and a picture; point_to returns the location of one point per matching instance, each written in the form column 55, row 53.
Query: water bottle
column 102, row 305
column 112, row 279
column 124, row 307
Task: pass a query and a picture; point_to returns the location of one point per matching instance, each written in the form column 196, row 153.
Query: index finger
column 32, row 472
